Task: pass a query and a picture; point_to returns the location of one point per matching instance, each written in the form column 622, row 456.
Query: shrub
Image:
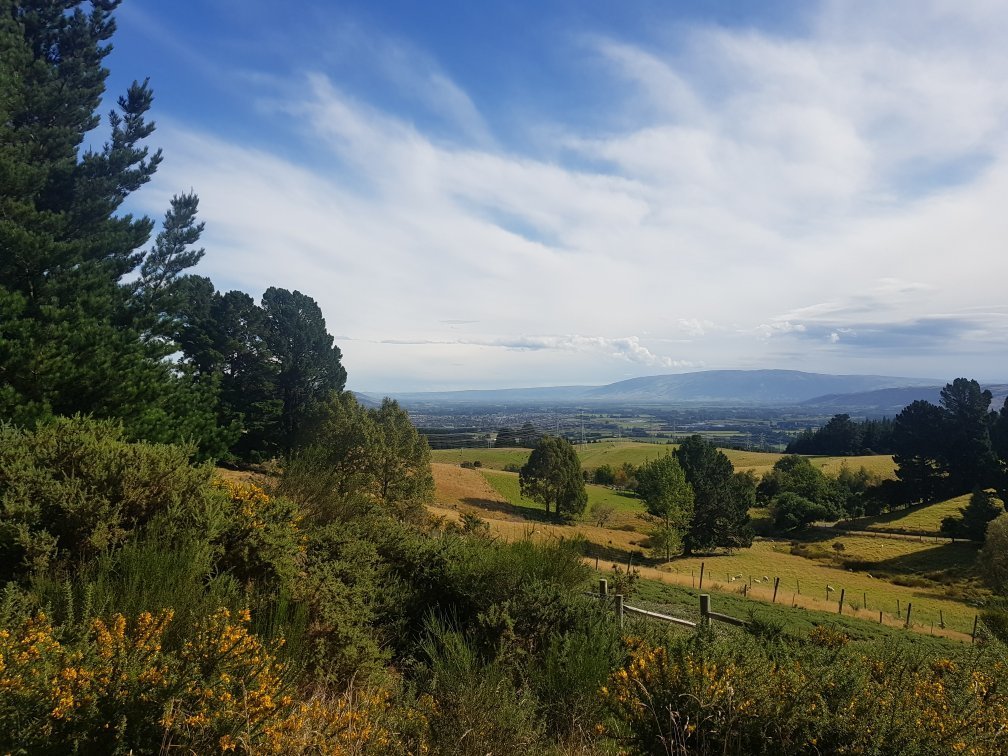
column 260, row 539
column 76, row 487
column 119, row 690
column 707, row 694
column 478, row 709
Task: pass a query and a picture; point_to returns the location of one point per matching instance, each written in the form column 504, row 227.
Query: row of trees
column 696, row 498
column 93, row 322
column 841, row 436
column 526, row 436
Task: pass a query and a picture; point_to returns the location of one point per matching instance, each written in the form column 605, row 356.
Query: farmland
column 616, row 453
column 875, row 573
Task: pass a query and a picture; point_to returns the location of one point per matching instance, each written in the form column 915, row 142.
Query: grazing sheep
column 829, row 588
column 766, row 579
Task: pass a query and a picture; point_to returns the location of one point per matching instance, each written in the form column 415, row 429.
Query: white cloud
column 776, row 328
column 787, row 187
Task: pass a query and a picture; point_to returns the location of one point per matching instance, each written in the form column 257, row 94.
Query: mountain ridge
column 764, row 387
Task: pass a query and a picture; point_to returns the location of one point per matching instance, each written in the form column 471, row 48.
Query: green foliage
column 662, row 484
column 799, row 494
column 340, row 588
column 552, row 476
column 73, row 336
column 792, row 510
column 721, row 498
column 309, row 367
column 705, row 694
column 360, row 459
column 993, row 558
column 951, row 449
column 480, row 709
column 604, row 475
column 74, row 488
column 842, row 436
column 574, row 667
column 968, row 455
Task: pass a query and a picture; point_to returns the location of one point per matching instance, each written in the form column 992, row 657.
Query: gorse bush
column 75, row 487
column 706, row 695
column 478, row 707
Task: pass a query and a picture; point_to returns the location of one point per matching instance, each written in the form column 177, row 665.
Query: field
column 921, row 519
column 683, row 601
column 615, row 453
column 875, row 572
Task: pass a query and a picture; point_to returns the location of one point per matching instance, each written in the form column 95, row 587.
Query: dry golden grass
column 459, row 485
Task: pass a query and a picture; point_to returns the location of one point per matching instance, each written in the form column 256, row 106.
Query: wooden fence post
column 941, row 618
column 776, row 582
column 865, row 597
column 603, row 587
column 701, row 575
column 880, row 616
column 842, row 592
column 619, row 609
column 705, row 609
column 899, row 612
column 909, row 609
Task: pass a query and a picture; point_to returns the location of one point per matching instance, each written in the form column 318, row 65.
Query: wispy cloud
column 833, row 188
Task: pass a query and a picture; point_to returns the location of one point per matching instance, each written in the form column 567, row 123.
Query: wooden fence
column 706, row 615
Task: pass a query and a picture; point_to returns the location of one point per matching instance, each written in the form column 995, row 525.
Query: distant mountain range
column 712, row 387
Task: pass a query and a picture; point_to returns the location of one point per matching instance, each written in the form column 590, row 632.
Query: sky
column 491, row 194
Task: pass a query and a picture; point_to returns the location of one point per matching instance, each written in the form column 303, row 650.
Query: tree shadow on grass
column 618, row 554
column 503, row 507
column 947, row 563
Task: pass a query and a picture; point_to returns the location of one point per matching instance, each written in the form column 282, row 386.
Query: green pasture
column 684, row 602
column 810, row 577
column 626, row 507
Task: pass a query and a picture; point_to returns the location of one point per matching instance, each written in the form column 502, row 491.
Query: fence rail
column 706, row 615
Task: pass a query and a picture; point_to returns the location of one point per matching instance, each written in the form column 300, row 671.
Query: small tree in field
column 669, row 498
column 552, row 475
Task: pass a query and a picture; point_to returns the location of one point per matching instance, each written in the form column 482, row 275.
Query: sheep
column 766, row 579
column 829, row 589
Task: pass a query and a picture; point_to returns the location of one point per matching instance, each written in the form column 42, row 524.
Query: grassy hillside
column 920, row 519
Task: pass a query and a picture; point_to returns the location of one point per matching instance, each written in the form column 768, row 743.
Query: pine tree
column 308, row 363
column 70, row 337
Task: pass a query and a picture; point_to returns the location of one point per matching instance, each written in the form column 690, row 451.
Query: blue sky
column 514, row 194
